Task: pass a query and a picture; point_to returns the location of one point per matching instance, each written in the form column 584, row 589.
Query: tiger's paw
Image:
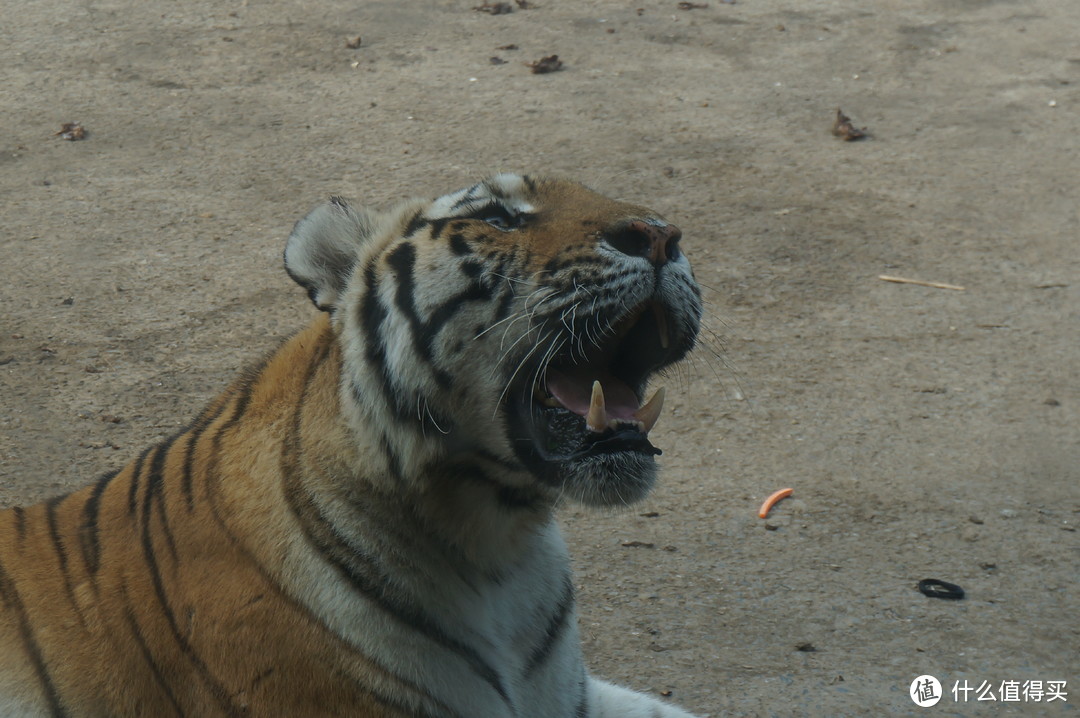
column 611, row 701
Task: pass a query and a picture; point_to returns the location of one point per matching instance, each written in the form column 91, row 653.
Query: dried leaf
column 495, row 8
column 846, row 131
column 71, row 131
column 551, row 63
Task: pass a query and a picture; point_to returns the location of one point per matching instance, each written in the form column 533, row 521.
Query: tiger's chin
column 611, row 479
column 599, row 468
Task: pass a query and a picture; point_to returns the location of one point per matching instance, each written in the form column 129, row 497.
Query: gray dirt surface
column 926, row 432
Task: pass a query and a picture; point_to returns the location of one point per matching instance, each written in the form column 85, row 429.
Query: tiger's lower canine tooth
column 543, row 398
column 650, row 412
column 596, row 420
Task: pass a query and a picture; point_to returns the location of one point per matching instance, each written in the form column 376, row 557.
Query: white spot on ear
column 322, row 250
column 508, row 183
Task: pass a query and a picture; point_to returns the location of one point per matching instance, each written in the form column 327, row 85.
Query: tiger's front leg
column 610, row 701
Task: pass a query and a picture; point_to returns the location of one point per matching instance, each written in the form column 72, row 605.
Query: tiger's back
column 363, row 524
column 119, row 594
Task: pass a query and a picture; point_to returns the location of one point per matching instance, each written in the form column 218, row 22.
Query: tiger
column 363, row 524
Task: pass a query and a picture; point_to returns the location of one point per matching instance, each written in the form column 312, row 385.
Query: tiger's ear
column 323, row 248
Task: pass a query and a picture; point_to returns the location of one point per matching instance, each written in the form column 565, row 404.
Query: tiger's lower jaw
column 612, row 467
column 615, row 479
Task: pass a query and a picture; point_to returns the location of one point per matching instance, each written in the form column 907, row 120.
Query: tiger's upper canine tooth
column 650, row 411
column 596, row 420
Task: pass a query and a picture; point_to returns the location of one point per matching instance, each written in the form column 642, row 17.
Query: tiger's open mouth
column 588, row 400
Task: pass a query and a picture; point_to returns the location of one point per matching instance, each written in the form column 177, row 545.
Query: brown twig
column 921, row 283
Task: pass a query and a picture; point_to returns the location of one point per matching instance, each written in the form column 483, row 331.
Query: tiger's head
column 509, row 330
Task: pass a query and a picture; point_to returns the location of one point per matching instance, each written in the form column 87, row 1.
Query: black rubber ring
column 940, row 589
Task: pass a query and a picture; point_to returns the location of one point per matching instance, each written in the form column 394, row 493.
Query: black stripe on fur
column 217, row 690
column 88, row 529
column 20, row 523
column 61, row 551
column 133, row 487
column 9, row 594
column 155, row 480
column 196, row 432
column 144, row 649
column 437, row 227
column 414, row 225
column 458, row 245
column 555, row 627
column 373, row 315
column 467, row 198
column 403, row 261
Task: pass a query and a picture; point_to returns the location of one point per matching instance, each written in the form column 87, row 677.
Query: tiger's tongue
column 573, row 389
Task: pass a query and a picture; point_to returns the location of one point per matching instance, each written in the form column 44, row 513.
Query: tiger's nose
column 659, row 243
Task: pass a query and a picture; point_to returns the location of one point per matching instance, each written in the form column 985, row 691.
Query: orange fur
column 90, row 628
